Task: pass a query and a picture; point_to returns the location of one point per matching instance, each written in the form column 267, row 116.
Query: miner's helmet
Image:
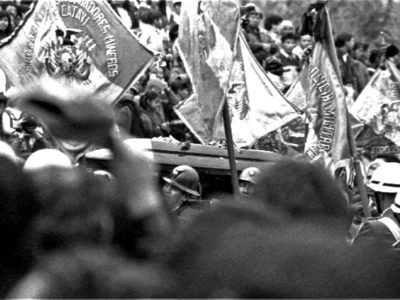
column 386, row 178
column 186, row 179
column 251, row 174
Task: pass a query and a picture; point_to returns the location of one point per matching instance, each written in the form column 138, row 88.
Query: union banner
column 327, row 138
column 81, row 44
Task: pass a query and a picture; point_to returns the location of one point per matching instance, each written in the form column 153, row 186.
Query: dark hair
column 147, row 96
column 154, row 15
column 342, row 38
column 289, row 36
column 173, row 32
column 272, row 20
column 303, row 191
column 9, row 29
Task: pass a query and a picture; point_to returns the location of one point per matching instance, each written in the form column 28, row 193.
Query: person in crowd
column 19, row 207
column 91, row 273
column 260, row 44
column 384, row 229
column 128, row 116
column 305, row 41
column 175, row 17
column 344, row 43
column 182, row 192
column 248, row 181
column 239, row 250
column 155, row 106
column 181, row 87
column 384, row 184
column 305, row 191
column 272, row 26
column 360, row 69
column 75, row 210
column 152, row 34
column 291, row 63
column 5, row 25
column 153, row 120
column 44, row 158
column 16, row 11
column 285, row 27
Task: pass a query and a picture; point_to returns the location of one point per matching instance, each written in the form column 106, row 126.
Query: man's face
column 177, row 8
column 3, row 23
column 247, row 188
column 350, row 44
column 155, row 103
column 254, row 20
column 288, row 45
column 305, row 41
column 172, row 195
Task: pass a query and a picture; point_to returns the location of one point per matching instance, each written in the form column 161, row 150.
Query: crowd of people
column 69, row 230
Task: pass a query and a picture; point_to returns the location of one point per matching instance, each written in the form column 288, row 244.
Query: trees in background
column 365, row 19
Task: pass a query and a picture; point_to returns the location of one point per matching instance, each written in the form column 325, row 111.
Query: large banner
column 81, row 44
column 256, row 106
column 207, row 39
column 328, row 131
column 378, row 108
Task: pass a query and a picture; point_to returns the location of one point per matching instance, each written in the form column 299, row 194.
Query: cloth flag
column 256, row 106
column 327, row 138
column 81, row 44
column 207, row 38
column 378, row 109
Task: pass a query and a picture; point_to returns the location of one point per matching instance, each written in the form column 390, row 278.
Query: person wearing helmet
column 182, row 192
column 261, row 45
column 248, row 180
column 384, row 230
column 45, row 158
column 384, row 185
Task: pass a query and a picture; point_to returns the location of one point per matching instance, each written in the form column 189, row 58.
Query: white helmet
column 7, row 151
column 251, row 174
column 44, row 158
column 386, row 178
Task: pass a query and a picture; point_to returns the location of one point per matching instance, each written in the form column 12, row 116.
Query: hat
column 186, row 179
column 386, row 178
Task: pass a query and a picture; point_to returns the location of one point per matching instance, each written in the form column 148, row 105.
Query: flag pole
column 352, row 145
column 359, row 177
column 231, row 150
column 350, row 137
